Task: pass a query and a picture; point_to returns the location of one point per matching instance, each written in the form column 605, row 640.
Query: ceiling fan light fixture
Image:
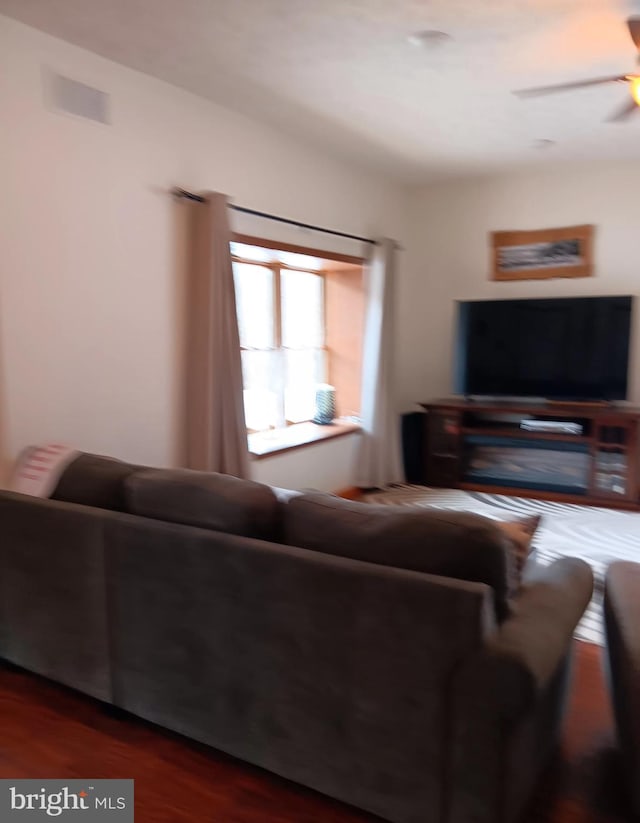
column 632, row 80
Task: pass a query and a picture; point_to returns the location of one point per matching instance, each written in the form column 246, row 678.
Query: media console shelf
column 482, row 446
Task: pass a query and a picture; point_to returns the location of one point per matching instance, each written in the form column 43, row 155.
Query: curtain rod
column 187, row 195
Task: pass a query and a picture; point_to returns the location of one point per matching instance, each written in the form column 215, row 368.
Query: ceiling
column 342, row 74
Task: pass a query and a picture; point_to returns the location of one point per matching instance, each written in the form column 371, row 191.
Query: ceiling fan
column 633, row 81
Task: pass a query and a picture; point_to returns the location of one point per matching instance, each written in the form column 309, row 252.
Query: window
column 290, row 315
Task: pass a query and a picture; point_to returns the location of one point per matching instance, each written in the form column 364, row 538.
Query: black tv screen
column 563, row 348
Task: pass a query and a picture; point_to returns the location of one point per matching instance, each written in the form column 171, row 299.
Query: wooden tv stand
column 481, row 446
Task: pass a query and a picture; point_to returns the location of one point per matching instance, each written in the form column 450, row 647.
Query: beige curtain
column 379, row 461
column 216, row 435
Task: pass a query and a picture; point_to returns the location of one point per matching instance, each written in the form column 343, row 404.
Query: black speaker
column 413, row 431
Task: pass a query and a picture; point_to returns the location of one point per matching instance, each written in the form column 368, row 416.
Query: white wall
column 89, row 283
column 449, row 249
column 319, row 466
column 90, row 290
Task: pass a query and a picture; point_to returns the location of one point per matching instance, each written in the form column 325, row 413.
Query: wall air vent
column 66, row 95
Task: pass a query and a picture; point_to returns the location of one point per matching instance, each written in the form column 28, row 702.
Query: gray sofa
column 369, row 653
column 622, row 625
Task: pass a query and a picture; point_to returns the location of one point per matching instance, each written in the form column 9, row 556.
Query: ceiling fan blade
column 629, row 107
column 634, row 30
column 579, row 84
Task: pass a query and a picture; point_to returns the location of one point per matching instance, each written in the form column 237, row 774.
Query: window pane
column 259, row 254
column 305, row 261
column 256, row 253
column 302, row 310
column 262, row 380
column 254, row 303
column 304, row 370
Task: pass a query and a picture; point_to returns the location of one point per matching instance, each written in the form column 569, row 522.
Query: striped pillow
column 519, row 534
column 38, row 469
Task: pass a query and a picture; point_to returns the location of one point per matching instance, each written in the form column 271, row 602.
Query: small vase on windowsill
column 325, row 405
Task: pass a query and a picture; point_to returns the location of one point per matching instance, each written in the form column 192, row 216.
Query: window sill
column 266, row 444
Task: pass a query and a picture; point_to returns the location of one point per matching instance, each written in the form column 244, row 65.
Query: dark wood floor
column 49, row 731
column 584, row 784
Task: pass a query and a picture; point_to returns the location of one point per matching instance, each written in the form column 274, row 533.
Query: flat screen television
column 572, row 349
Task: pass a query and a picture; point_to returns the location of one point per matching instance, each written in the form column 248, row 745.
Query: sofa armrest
column 521, row 657
column 622, row 623
column 508, row 699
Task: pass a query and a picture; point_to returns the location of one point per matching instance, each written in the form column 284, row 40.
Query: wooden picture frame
column 542, row 254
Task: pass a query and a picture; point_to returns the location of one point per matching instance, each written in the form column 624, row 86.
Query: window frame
column 276, row 267
column 274, row 245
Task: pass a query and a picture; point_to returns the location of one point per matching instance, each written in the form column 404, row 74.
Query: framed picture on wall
column 542, row 254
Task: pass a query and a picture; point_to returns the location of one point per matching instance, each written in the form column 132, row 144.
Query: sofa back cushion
column 93, row 480
column 452, row 544
column 205, row 499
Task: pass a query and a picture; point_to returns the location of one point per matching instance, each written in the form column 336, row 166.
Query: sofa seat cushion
column 93, row 480
column 211, row 501
column 452, row 544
